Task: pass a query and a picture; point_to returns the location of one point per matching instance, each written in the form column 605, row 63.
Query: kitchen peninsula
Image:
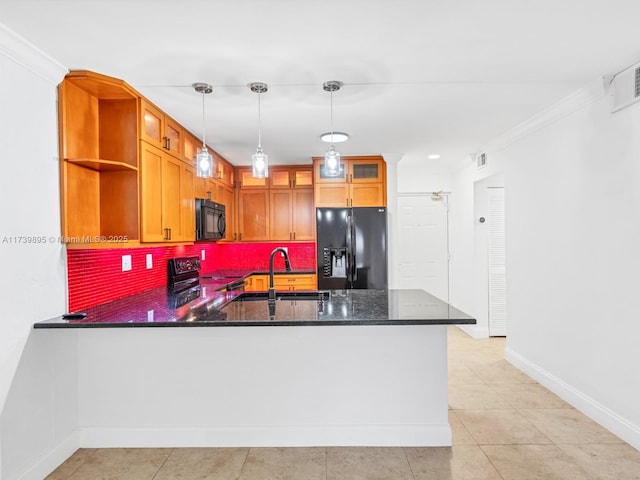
column 359, row 367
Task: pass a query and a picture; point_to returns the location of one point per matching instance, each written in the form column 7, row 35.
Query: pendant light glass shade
column 332, row 165
column 259, row 160
column 260, row 164
column 204, row 160
column 332, row 162
column 204, row 163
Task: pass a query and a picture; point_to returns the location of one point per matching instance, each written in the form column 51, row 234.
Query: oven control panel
column 183, row 265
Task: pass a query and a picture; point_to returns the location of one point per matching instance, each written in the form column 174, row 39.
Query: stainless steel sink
column 317, row 296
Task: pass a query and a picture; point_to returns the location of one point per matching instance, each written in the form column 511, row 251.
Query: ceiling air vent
column 625, row 88
column 481, row 160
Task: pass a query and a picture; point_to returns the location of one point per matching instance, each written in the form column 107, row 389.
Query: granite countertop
column 213, row 308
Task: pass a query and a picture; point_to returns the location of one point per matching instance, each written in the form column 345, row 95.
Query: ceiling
column 420, row 76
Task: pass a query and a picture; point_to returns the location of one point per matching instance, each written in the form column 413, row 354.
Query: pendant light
column 259, row 160
column 204, row 160
column 332, row 166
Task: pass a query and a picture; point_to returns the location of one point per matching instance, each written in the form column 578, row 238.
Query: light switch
column 126, row 263
column 202, row 254
column 149, row 261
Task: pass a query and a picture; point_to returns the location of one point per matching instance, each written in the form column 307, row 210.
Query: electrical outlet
column 126, row 263
column 202, row 254
column 149, row 261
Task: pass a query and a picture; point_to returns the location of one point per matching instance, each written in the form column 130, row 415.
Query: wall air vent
column 625, row 88
column 481, row 160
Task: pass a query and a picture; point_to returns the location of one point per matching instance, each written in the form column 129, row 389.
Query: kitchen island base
column 370, row 385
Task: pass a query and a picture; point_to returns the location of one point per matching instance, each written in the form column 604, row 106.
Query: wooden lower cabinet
column 295, row 282
column 281, row 282
column 256, row 283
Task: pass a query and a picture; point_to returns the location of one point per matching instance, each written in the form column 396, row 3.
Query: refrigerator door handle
column 354, row 243
column 349, row 250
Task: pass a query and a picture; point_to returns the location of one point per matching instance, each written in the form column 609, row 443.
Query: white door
column 496, row 261
column 423, row 244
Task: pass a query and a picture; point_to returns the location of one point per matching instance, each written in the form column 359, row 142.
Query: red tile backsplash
column 95, row 276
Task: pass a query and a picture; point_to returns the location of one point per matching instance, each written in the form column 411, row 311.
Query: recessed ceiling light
column 337, row 137
column 433, row 156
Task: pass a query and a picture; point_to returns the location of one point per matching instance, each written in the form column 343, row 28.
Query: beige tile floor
column 505, row 427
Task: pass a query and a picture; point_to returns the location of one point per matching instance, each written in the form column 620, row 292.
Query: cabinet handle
column 240, row 236
column 294, row 235
column 209, row 195
column 167, row 234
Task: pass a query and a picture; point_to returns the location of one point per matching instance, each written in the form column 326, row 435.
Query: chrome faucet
column 272, row 291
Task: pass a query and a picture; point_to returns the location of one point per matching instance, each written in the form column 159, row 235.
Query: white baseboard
column 53, row 459
column 609, row 419
column 281, row 436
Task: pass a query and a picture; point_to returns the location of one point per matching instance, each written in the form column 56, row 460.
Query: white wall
column 573, row 259
column 468, row 266
column 29, row 208
column 572, row 195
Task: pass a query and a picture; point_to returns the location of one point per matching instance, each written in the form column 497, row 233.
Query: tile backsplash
column 95, row 276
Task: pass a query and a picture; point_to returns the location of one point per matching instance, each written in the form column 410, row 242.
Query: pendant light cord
column 204, row 140
column 331, row 93
column 259, row 123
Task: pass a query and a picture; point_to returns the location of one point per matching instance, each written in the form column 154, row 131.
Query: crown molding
column 29, row 56
column 590, row 93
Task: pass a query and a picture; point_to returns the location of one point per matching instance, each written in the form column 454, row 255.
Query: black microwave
column 210, row 220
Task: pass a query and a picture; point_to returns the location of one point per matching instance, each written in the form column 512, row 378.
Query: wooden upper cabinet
column 291, row 177
column 303, row 215
column 362, row 182
column 98, row 128
column 167, row 197
column 253, row 214
column 280, row 211
column 160, row 130
column 229, row 202
column 224, row 171
column 152, row 124
column 247, row 180
column 367, row 195
column 188, row 204
column 365, row 169
column 292, row 214
column 190, row 148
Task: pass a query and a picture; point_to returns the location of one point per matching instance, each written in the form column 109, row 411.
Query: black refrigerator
column 352, row 248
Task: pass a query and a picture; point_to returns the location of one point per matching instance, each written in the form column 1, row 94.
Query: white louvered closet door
column 497, row 297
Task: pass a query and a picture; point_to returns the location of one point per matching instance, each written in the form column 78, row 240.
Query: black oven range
column 183, row 280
